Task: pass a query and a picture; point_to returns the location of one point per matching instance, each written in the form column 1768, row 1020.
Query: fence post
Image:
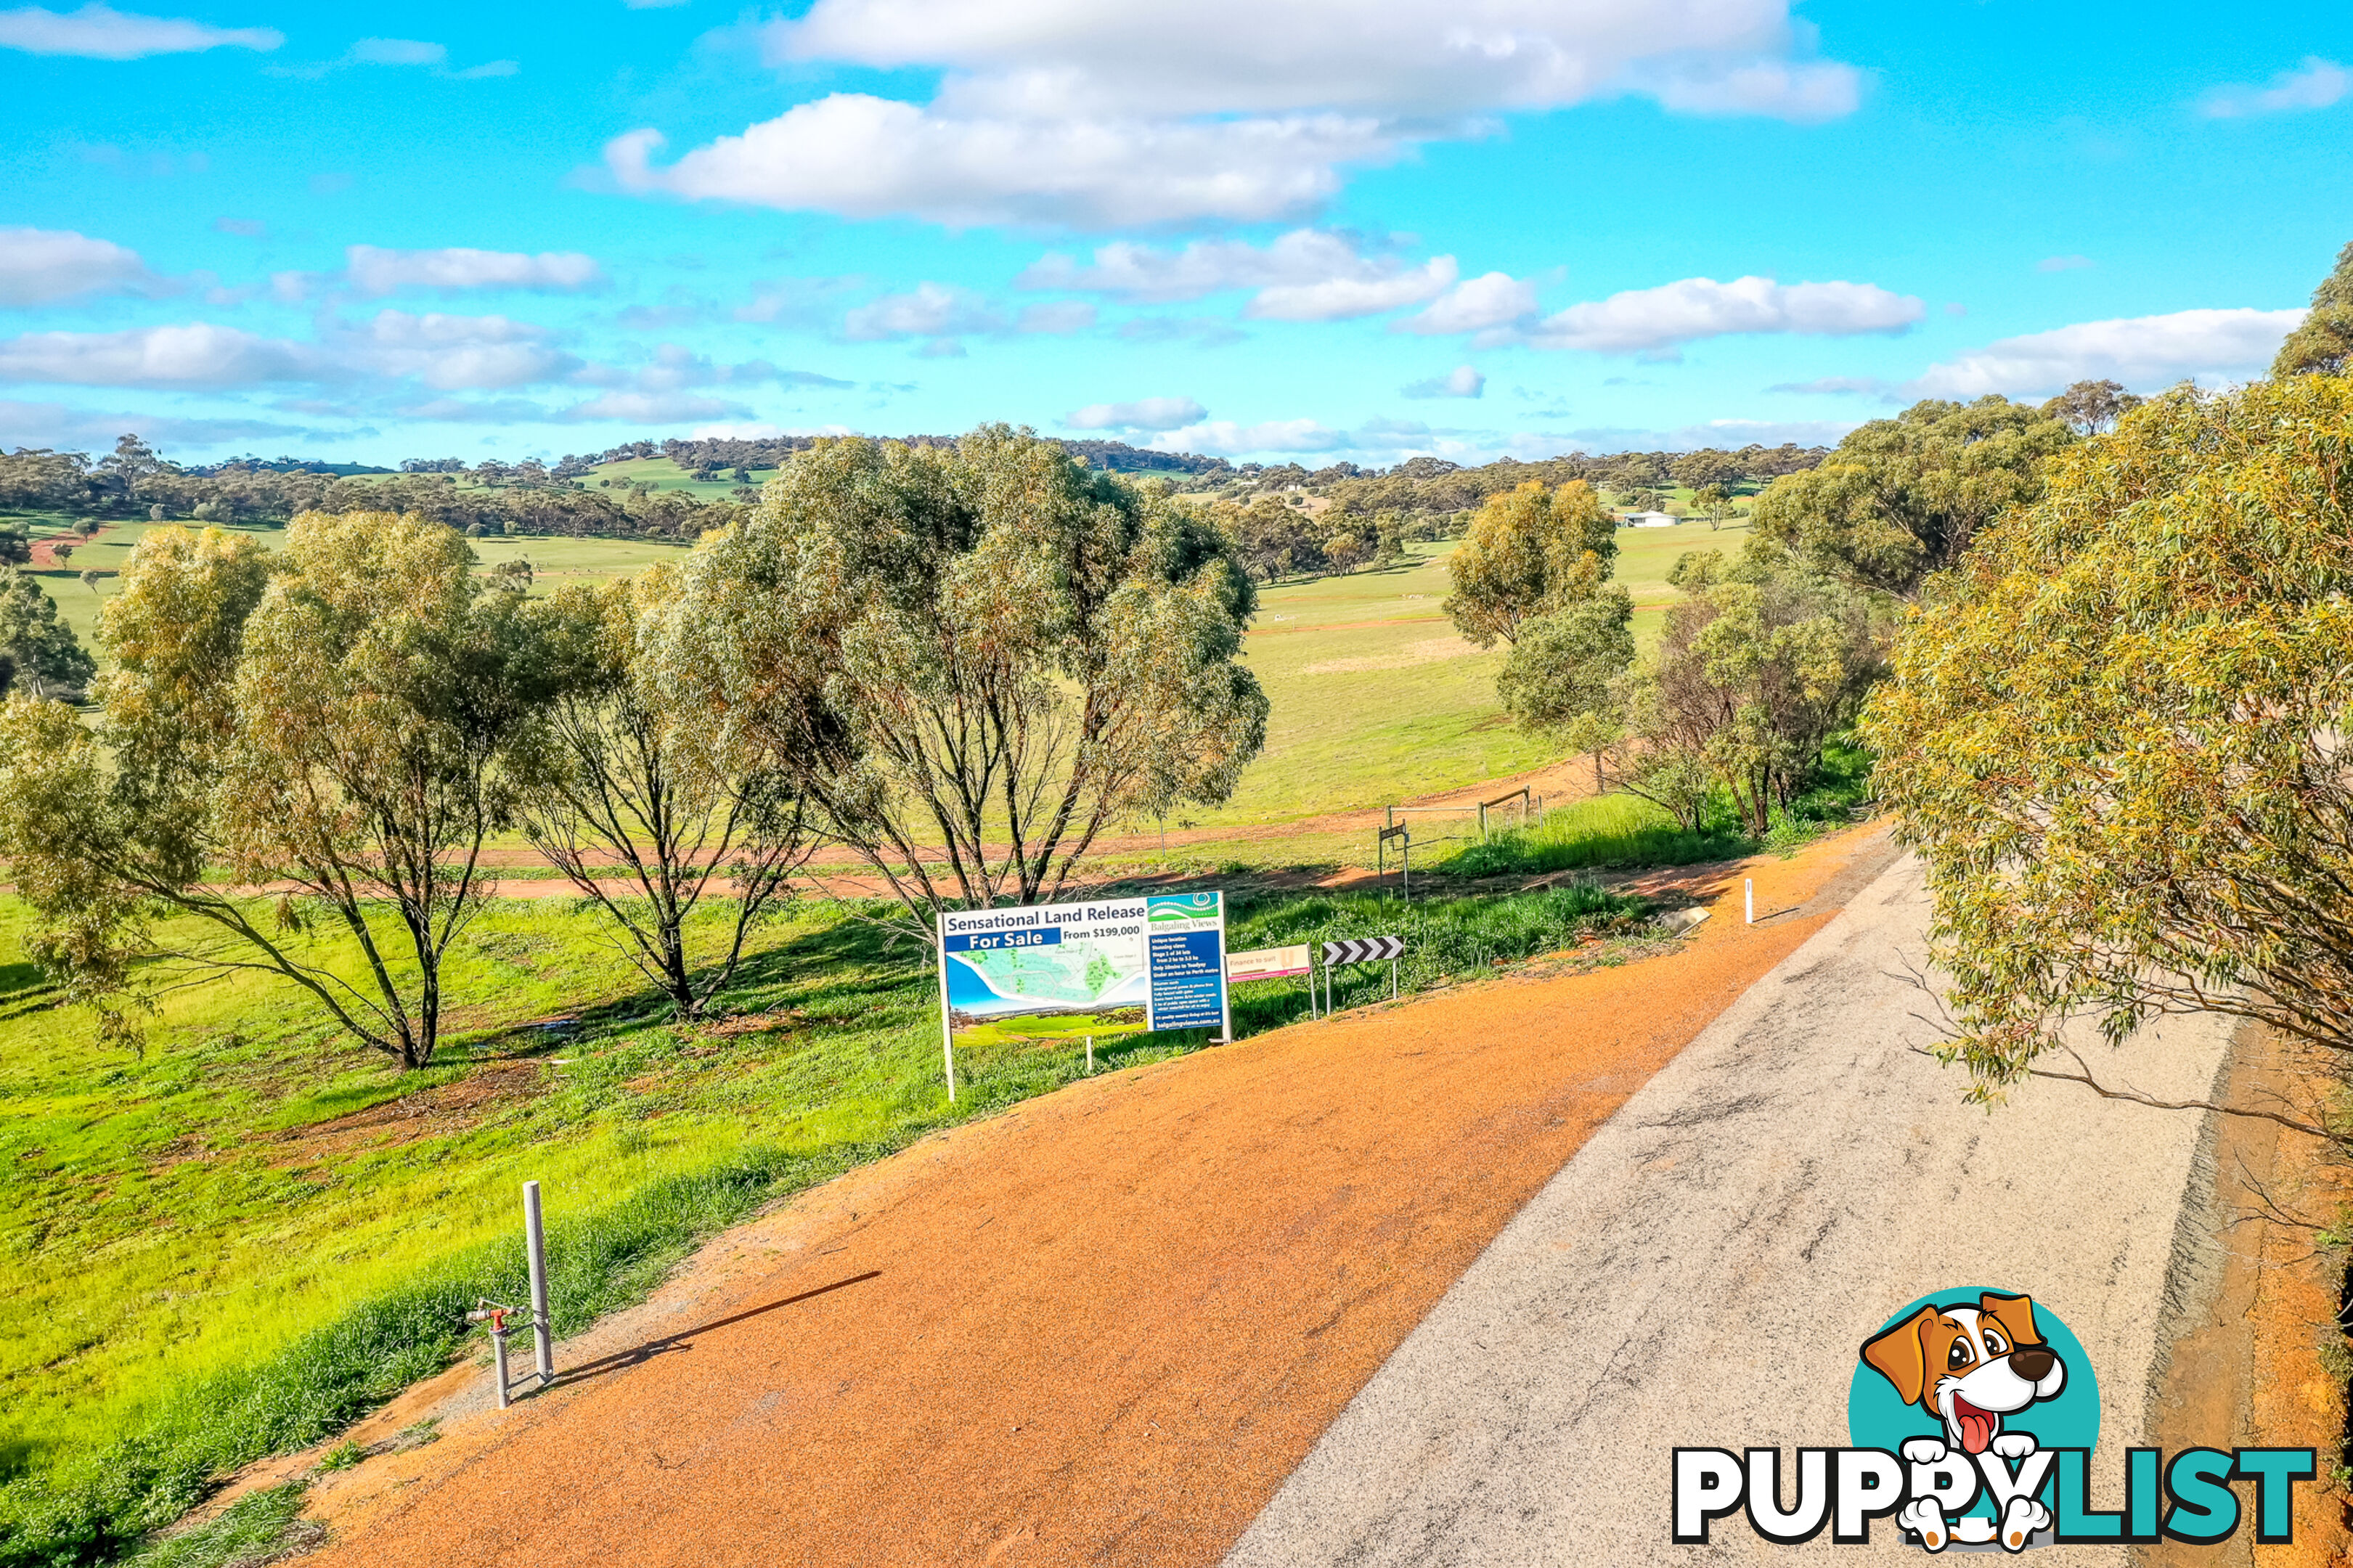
column 535, row 1243
column 1483, row 822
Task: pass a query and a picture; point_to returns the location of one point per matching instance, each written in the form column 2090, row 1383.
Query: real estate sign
column 1113, row 966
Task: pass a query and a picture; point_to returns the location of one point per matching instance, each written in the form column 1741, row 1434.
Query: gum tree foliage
column 1529, row 551
column 1758, row 665
column 2092, row 407
column 2324, row 342
column 614, row 773
column 1902, row 499
column 1275, row 541
column 1562, row 675
column 2119, row 738
column 969, row 660
column 39, row 655
column 329, row 718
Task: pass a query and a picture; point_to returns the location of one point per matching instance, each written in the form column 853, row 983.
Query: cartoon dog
column 1970, row 1366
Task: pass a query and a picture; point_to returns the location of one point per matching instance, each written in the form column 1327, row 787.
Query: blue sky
column 1322, row 229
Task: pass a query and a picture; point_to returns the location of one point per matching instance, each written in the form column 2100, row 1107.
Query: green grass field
column 1374, row 698
column 555, row 561
column 665, row 475
column 197, row 1237
column 249, row 1183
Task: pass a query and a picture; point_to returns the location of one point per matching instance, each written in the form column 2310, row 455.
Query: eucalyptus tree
column 39, row 655
column 328, row 722
column 614, row 773
column 2323, row 342
column 1902, row 498
column 1562, row 677
column 1530, row 551
column 2118, row 735
column 969, row 659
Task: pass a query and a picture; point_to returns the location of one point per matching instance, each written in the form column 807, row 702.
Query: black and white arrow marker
column 1363, row 950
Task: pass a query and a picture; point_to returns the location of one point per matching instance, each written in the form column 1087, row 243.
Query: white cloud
column 1306, row 275
column 55, row 425
column 442, row 351
column 1653, row 319
column 1225, row 439
column 653, row 408
column 1145, row 275
column 1835, row 386
column 1057, row 316
column 2316, row 84
column 1345, row 298
column 1144, row 414
column 376, row 272
column 1423, row 58
column 2145, row 352
column 42, row 266
column 1477, row 304
column 929, row 311
column 101, row 33
column 1734, row 433
column 1463, row 381
column 453, row 352
column 198, row 354
column 399, row 52
column 864, row 157
column 1784, row 89
column 1060, row 113
column 1738, row 433
column 675, row 366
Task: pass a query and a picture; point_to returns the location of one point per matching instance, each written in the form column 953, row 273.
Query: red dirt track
column 1100, row 1328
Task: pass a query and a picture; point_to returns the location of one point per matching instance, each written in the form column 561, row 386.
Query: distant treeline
column 131, row 481
column 531, row 498
column 718, row 457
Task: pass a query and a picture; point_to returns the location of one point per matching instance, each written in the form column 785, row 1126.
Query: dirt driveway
column 1103, row 1328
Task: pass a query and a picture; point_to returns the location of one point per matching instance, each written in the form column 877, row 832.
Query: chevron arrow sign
column 1363, row 950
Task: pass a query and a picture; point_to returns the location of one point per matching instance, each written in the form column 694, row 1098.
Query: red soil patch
column 45, row 550
column 428, row 1113
column 1103, row 1327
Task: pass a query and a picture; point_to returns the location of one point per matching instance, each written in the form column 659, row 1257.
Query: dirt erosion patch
column 1103, row 1327
column 434, row 1112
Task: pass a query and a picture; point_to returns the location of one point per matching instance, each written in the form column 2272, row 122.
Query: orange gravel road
column 1101, row 1328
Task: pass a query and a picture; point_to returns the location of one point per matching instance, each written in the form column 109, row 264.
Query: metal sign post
column 947, row 1014
column 1362, row 950
column 1402, row 831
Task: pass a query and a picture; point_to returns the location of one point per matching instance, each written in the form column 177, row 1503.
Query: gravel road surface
column 1703, row 1268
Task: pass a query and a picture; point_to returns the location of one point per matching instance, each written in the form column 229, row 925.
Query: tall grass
column 1609, row 830
column 96, row 1505
column 1621, row 830
column 1445, row 937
